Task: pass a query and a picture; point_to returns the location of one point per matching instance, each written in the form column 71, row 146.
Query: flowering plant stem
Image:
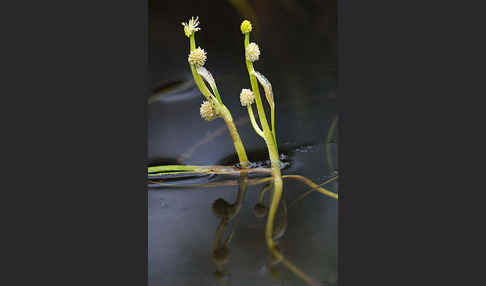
column 271, row 142
column 213, row 108
column 155, row 171
column 253, row 122
column 221, row 109
column 274, row 159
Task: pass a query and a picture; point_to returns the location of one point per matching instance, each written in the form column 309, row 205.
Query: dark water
column 297, row 41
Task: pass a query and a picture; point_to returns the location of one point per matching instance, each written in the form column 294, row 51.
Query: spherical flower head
column 252, row 52
column 191, row 26
column 246, row 97
column 245, row 27
column 208, row 112
column 197, row 57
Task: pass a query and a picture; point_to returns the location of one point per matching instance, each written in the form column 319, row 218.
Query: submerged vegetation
column 212, row 108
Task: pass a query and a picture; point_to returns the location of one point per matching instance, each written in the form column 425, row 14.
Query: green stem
column 276, row 174
column 272, row 151
column 168, row 168
column 272, row 110
column 219, row 233
column 210, row 169
column 242, row 187
column 240, row 149
column 313, row 185
column 223, row 111
column 261, row 195
column 303, row 195
column 253, row 121
column 197, row 78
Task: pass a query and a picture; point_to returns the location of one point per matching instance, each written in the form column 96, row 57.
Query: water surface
column 297, row 57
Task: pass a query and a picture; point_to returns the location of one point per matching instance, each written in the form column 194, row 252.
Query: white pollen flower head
column 246, row 97
column 197, row 57
column 208, row 112
column 191, row 26
column 252, row 52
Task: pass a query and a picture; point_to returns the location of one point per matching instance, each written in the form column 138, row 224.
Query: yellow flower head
column 191, row 26
column 245, row 27
column 197, row 57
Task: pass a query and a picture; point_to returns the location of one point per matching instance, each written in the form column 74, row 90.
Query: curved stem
column 242, row 186
column 277, row 176
column 276, row 173
column 305, row 194
column 197, row 78
column 223, row 111
column 256, row 92
column 313, row 185
column 261, row 194
column 277, row 194
column 239, row 147
column 279, row 231
column 219, row 233
column 253, row 121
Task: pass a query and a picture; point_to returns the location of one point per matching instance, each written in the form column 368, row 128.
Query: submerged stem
column 303, row 195
column 276, row 174
column 261, row 194
column 313, row 185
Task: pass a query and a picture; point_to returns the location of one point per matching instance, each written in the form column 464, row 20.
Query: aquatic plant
column 197, row 59
column 213, row 108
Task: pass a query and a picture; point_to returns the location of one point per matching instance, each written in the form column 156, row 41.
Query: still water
column 181, row 224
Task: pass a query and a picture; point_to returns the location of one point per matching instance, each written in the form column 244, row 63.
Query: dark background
column 76, row 76
column 298, row 34
column 298, row 47
column 298, row 44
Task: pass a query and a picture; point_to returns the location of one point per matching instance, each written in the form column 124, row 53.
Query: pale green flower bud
column 245, row 27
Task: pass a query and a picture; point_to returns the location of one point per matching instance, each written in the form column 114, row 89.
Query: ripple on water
column 290, row 160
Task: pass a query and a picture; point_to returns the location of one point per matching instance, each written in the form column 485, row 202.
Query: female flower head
column 208, row 112
column 252, row 52
column 246, row 97
column 197, row 57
